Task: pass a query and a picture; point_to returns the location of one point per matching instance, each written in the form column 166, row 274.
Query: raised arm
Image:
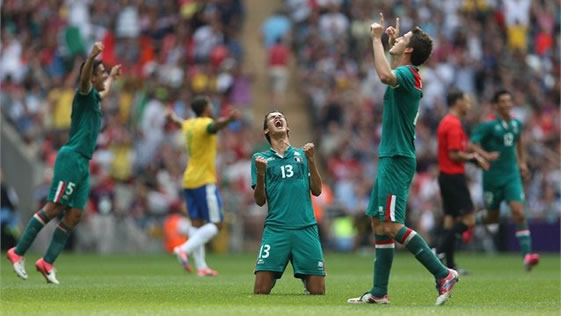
column 224, row 121
column 315, row 178
column 87, row 70
column 381, row 64
column 114, row 74
column 259, row 193
column 393, row 33
column 173, row 118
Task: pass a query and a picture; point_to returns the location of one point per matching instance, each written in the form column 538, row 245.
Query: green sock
column 34, row 226
column 382, row 264
column 417, row 246
column 60, row 236
column 523, row 236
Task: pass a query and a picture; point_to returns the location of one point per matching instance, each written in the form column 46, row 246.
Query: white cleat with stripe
column 18, row 263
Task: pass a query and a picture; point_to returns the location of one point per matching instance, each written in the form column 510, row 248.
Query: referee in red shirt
column 453, row 152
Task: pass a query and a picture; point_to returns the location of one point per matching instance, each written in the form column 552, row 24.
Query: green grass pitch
column 156, row 285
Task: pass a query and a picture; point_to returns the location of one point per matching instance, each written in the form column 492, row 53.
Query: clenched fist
column 309, row 150
column 96, row 49
column 115, row 72
column 261, row 165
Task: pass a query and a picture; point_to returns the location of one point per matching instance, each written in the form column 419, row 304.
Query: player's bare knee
column 316, row 289
column 72, row 218
column 218, row 225
column 261, row 289
column 469, row 220
column 53, row 209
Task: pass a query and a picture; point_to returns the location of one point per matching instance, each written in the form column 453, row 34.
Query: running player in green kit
column 284, row 176
column 502, row 182
column 397, row 161
column 71, row 180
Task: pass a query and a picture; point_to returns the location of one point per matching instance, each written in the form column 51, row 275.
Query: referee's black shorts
column 456, row 199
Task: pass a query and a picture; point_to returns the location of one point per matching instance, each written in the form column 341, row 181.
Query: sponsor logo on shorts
column 320, row 265
column 260, row 261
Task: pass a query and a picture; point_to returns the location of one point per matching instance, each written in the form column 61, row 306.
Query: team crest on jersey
column 298, row 159
column 515, row 126
column 296, row 153
column 320, row 265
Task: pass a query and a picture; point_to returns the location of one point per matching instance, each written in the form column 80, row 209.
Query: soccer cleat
column 18, row 262
column 467, row 236
column 368, row 298
column 47, row 270
column 461, row 271
column 183, row 258
column 445, row 287
column 530, row 260
column 208, row 272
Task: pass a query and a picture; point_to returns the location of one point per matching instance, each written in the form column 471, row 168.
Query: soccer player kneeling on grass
column 396, row 165
column 71, row 179
column 284, row 176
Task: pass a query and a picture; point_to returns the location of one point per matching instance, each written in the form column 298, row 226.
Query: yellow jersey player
column 199, row 183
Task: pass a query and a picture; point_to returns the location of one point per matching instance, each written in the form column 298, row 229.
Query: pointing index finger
column 382, row 19
column 397, row 26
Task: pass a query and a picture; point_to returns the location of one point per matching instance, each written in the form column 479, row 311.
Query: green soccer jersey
column 287, row 186
column 500, row 136
column 401, row 109
column 86, row 123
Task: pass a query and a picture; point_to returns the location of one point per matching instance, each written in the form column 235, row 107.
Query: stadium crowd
column 172, row 50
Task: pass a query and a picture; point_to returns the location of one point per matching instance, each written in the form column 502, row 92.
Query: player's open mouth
column 278, row 124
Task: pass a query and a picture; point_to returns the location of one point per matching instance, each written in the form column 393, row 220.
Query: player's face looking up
column 98, row 77
column 401, row 44
column 275, row 123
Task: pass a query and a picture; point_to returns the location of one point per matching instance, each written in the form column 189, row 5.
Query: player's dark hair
column 265, row 124
column 421, row 44
column 95, row 65
column 453, row 96
column 498, row 95
column 199, row 104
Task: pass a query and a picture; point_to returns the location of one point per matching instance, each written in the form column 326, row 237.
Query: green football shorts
column 509, row 191
column 389, row 196
column 299, row 246
column 71, row 180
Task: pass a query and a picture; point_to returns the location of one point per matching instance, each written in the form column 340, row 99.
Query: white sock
column 200, row 237
column 199, row 256
column 184, row 226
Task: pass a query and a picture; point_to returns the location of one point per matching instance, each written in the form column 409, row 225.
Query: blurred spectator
column 278, row 71
column 275, row 27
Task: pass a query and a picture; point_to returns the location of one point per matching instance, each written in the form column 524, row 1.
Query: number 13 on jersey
column 264, row 251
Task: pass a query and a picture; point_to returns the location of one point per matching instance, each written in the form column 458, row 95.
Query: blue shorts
column 204, row 203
